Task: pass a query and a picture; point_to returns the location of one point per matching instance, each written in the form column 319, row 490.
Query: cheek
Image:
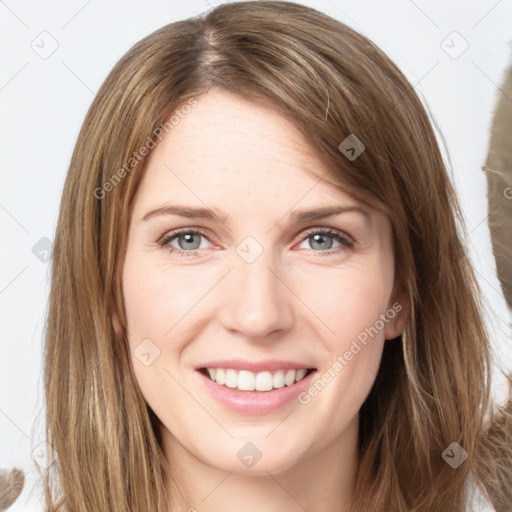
column 155, row 301
column 350, row 301
column 164, row 311
column 346, row 299
column 157, row 298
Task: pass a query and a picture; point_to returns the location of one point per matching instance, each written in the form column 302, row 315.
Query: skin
column 293, row 302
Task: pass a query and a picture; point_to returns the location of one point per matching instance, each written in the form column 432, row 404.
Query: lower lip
column 255, row 402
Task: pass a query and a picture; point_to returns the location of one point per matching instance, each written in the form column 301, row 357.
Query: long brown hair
column 433, row 387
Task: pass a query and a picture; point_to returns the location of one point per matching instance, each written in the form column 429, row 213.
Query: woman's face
column 254, row 291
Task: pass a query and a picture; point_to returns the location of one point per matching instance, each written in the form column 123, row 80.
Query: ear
column 397, row 312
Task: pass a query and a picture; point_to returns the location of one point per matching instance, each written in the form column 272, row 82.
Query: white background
column 43, row 102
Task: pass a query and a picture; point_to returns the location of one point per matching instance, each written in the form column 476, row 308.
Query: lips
column 254, row 387
column 253, row 401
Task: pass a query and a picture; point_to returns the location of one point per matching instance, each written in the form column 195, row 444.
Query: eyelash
column 346, row 243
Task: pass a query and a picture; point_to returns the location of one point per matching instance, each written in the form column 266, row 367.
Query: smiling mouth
column 244, row 380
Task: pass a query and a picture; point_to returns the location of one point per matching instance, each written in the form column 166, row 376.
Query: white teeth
column 263, row 381
column 289, row 378
column 231, row 379
column 245, row 380
column 220, row 376
column 278, row 379
column 300, row 374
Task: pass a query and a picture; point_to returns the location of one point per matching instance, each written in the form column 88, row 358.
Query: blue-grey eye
column 321, row 241
column 186, row 241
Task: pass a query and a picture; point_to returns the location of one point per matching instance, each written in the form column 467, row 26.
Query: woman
column 322, row 347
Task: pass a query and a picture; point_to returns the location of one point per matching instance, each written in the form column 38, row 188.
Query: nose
column 256, row 300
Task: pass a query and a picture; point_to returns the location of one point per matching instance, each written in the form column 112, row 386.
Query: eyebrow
column 215, row 215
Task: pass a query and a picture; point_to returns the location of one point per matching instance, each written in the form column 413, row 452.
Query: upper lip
column 255, row 366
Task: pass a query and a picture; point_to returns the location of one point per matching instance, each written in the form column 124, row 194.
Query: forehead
column 234, row 149
column 225, row 129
